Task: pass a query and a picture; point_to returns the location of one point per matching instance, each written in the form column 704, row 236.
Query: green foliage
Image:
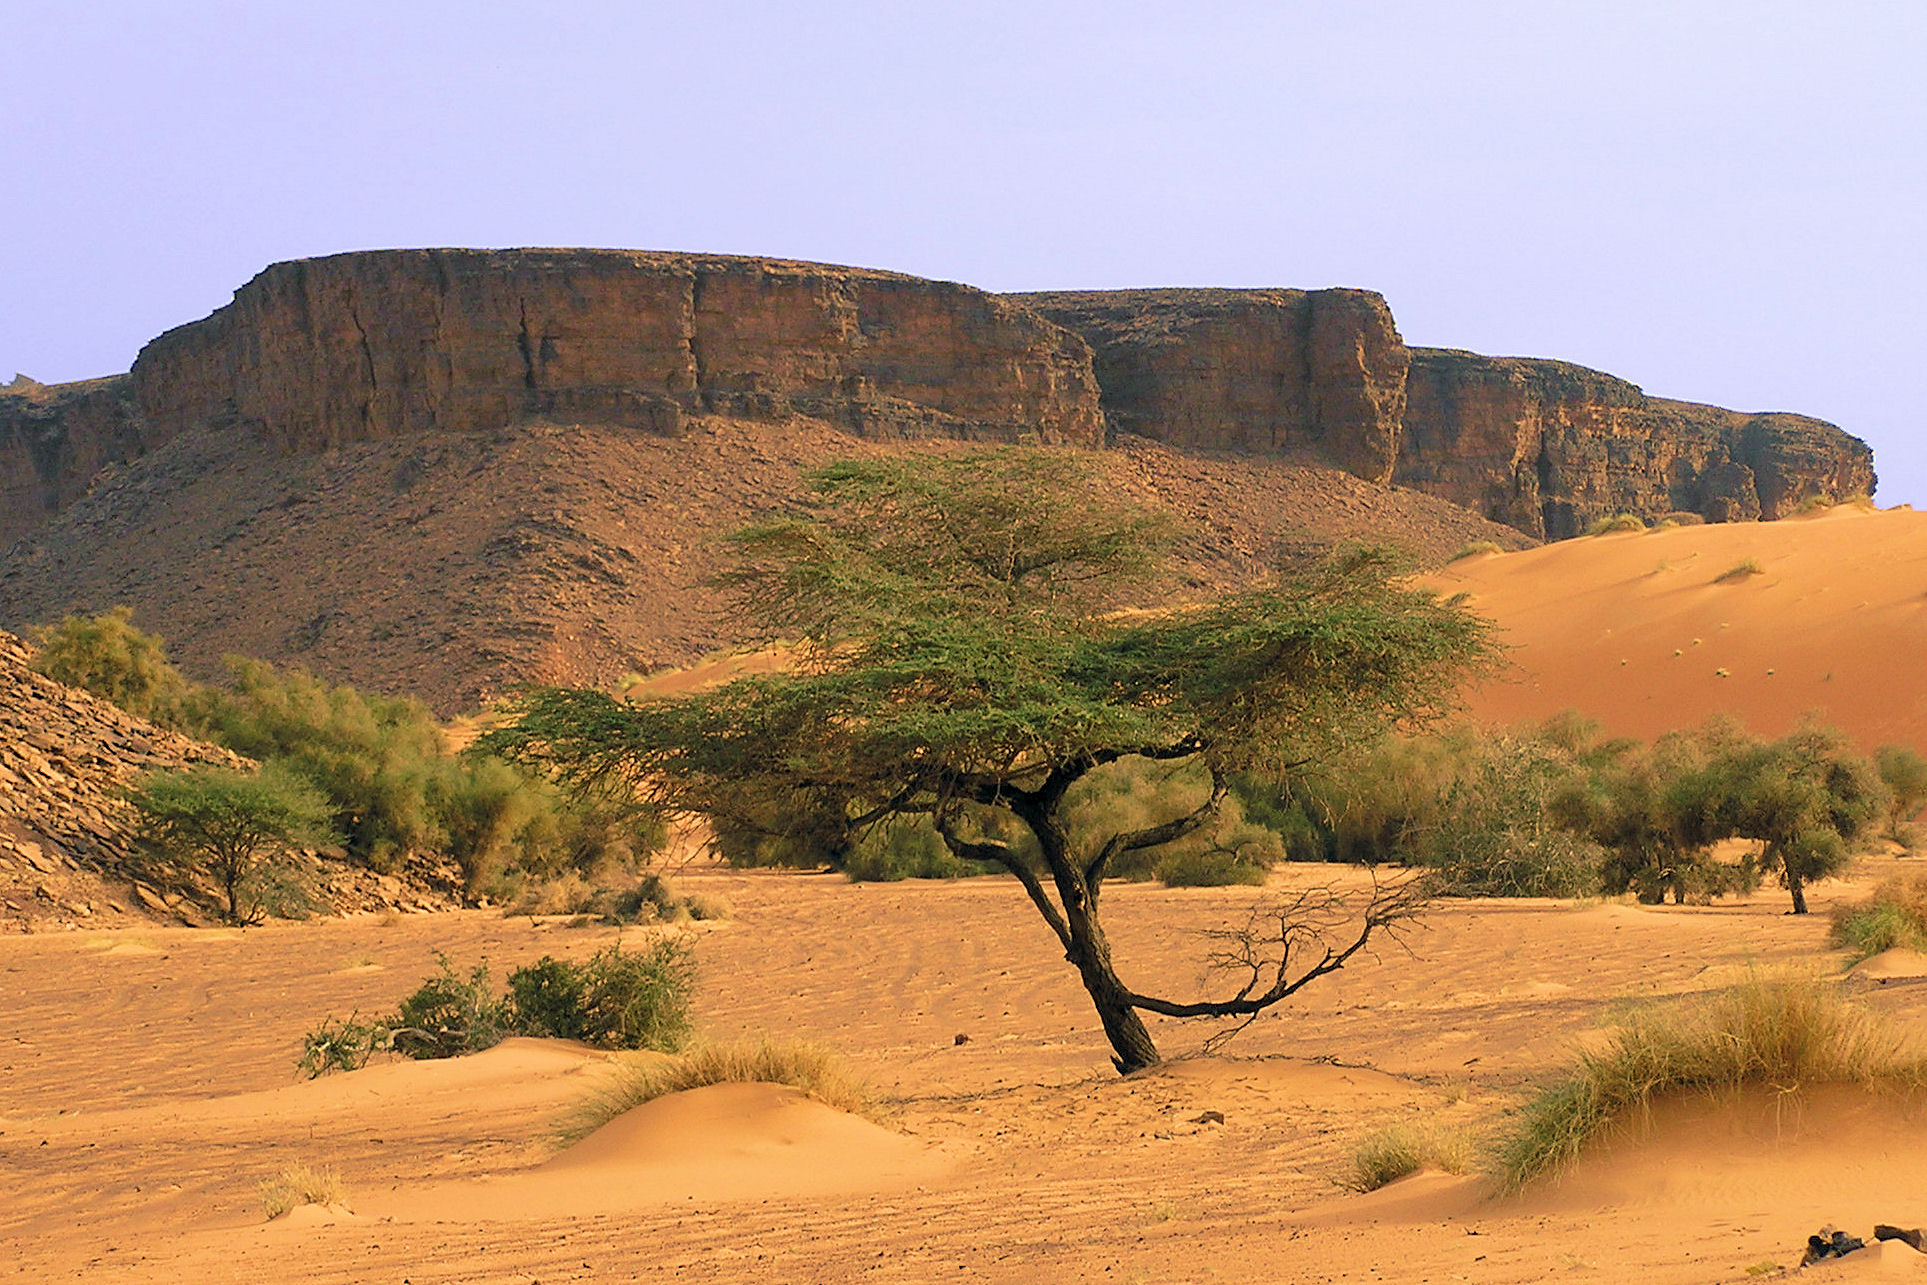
column 1495, row 837
column 238, row 827
column 1616, row 523
column 615, row 999
column 958, row 650
column 1895, row 916
column 906, row 847
column 106, row 655
column 1476, row 548
column 1809, row 798
column 1904, row 772
column 1779, row 1034
column 449, row 1015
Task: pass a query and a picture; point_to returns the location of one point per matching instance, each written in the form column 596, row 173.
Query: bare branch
column 1284, row 947
column 1002, row 854
column 1152, row 836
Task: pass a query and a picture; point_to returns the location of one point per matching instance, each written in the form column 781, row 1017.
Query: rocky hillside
column 452, row 565
column 68, row 858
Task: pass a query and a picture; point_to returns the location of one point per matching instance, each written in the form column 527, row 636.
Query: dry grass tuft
column 1784, row 1034
column 1476, row 549
column 1896, row 915
column 1401, row 1150
column 809, row 1067
column 1740, row 571
column 299, row 1185
column 1619, row 522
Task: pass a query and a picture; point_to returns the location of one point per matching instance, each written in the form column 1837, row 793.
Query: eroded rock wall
column 54, row 440
column 356, row 347
column 1317, row 374
column 1549, row 447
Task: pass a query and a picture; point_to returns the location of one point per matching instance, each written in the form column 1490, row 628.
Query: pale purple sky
column 1719, row 201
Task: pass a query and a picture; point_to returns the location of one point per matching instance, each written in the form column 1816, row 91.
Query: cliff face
column 318, row 353
column 1548, row 447
column 1317, row 374
column 53, row 440
column 366, row 346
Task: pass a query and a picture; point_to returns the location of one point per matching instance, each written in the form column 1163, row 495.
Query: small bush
column 637, row 999
column 1476, row 548
column 450, row 1015
column 299, row 1185
column 1618, row 522
column 1895, row 916
column 1740, row 571
column 1784, row 1034
column 338, row 1045
column 809, row 1067
column 1401, row 1150
column 108, row 656
column 907, row 847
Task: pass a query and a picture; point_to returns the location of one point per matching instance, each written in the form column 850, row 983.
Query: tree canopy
column 965, row 646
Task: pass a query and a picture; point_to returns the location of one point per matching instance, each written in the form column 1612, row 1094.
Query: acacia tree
column 960, row 653
column 1809, row 798
column 235, row 825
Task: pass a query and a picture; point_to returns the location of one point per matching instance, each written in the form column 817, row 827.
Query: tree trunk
column 1131, row 1046
column 1799, row 891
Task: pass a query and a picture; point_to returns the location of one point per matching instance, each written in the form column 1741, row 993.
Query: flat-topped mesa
column 369, row 345
column 1549, row 447
column 1317, row 374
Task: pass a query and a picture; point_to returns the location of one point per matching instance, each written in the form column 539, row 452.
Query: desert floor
column 146, row 1088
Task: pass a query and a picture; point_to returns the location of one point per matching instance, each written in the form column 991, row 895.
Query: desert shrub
column 1808, row 797
column 809, row 1067
column 449, row 1015
column 1136, row 794
column 781, row 828
column 1904, row 772
column 1495, row 836
column 637, row 999
column 1476, row 548
column 1740, row 570
column 1785, row 1034
column 342, row 1045
column 106, row 655
column 1895, row 916
column 238, row 827
column 546, row 998
column 1401, row 1150
column 298, row 1185
column 1618, row 522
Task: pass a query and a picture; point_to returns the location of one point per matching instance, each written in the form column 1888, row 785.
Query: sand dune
column 1650, row 632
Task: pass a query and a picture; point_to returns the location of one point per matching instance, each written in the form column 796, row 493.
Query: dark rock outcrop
column 1314, row 374
column 1548, row 447
column 359, row 347
column 54, row 440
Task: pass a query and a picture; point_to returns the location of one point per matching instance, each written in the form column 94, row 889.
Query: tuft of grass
column 1618, row 522
column 1740, row 571
column 1784, row 1034
column 1896, row 915
column 801, row 1065
column 299, row 1185
column 1476, row 548
column 1401, row 1150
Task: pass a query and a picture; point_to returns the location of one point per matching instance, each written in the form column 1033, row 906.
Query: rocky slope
column 68, row 857
column 54, row 441
column 1548, row 447
column 451, row 565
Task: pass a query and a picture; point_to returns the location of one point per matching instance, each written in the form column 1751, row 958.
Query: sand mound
column 724, row 1142
column 1763, row 620
column 1892, row 964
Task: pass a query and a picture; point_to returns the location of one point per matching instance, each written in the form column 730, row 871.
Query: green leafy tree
column 1809, row 798
column 1904, row 772
column 106, row 655
column 960, row 656
column 235, row 826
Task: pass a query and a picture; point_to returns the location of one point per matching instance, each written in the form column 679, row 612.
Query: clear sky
column 1719, row 200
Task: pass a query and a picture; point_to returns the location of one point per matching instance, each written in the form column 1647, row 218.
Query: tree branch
column 996, row 853
column 1152, row 836
column 1270, row 952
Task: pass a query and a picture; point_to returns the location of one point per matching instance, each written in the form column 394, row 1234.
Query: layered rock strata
column 54, row 440
column 1316, row 374
column 359, row 347
column 1548, row 447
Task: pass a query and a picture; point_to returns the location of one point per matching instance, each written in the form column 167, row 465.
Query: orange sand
column 1636, row 629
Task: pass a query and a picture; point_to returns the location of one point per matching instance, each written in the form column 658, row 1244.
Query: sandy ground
column 1647, row 632
column 146, row 1088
